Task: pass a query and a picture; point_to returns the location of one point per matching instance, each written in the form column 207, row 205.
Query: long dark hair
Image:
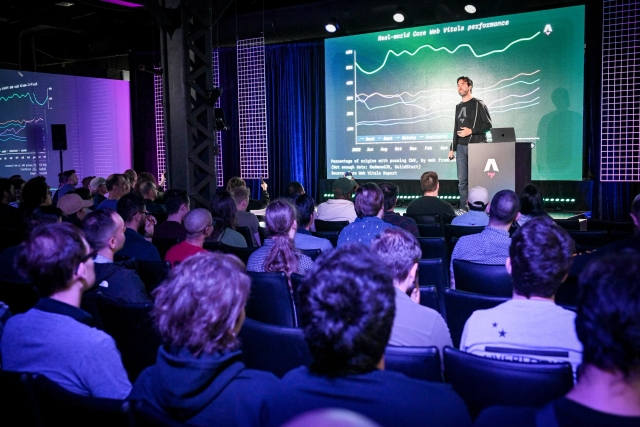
column 223, row 212
column 280, row 217
column 531, row 202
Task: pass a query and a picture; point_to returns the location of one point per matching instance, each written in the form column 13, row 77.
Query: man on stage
column 472, row 123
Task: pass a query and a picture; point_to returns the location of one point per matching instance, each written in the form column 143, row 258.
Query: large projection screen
column 391, row 96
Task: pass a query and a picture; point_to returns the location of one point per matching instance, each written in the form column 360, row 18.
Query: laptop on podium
column 503, row 135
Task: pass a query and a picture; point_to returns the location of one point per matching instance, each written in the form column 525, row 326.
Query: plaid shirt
column 489, row 247
column 404, row 222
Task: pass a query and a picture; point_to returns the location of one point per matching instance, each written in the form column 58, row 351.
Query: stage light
column 400, row 15
column 470, row 8
column 332, row 26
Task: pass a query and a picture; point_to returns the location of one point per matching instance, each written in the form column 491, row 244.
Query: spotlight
column 400, row 15
column 470, row 8
column 332, row 26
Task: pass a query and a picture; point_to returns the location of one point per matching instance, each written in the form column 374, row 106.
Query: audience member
column 74, row 208
column 390, row 193
column 331, row 418
column 253, row 205
column 117, row 186
column 243, row 218
column 86, row 181
column 477, row 203
column 199, row 378
column 413, row 325
column 9, row 216
column 149, row 192
column 98, row 187
column 84, row 193
column 137, row 220
column 131, row 176
column 18, row 185
column 223, row 211
column 199, row 225
column 177, row 205
column 293, row 190
column 68, row 181
column 36, row 192
column 340, row 208
column 105, row 232
column 369, row 207
column 608, row 326
column 142, row 178
column 430, row 204
column 346, row 309
column 530, row 327
column 531, row 204
column 491, row 246
column 303, row 239
column 278, row 252
column 55, row 338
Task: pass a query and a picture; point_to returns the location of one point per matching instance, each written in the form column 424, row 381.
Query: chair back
column 429, row 297
column 246, row 233
column 311, row 253
column 460, row 305
column 428, row 225
column 18, row 400
column 570, row 224
column 484, row 382
column 421, row 363
column 452, row 232
column 330, row 225
column 482, row 278
column 153, row 273
column 242, row 253
column 271, row 300
column 20, row 297
column 589, row 239
column 433, row 247
column 276, row 349
column 433, row 272
column 622, row 226
column 331, row 236
column 132, row 328
column 163, row 245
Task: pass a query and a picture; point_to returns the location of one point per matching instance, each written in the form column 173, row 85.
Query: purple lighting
column 122, row 3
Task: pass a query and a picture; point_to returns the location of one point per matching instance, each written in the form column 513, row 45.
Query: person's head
column 73, row 205
column 7, row 191
column 504, row 208
column 18, row 185
column 223, row 210
column 342, row 188
column 540, row 256
column 104, row 230
column 635, row 213
column 200, row 306
column 305, row 206
column 465, row 85
column 133, row 211
column 608, row 317
column 346, row 307
column 235, row 182
column 198, row 222
column 55, row 257
column 84, row 193
column 478, row 199
column 282, row 224
column 117, row 186
column 294, row 189
column 86, row 181
column 41, row 215
column 400, row 252
column 241, row 197
column 68, row 177
column 531, row 201
column 131, row 176
column 142, row 178
column 177, row 203
column 36, row 192
column 149, row 190
column 369, row 200
column 98, row 185
column 429, row 182
column 390, row 194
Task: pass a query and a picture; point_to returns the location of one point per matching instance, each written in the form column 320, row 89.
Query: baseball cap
column 345, row 185
column 478, row 196
column 72, row 203
column 96, row 182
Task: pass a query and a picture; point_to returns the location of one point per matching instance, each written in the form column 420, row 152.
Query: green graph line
column 33, row 100
column 444, row 48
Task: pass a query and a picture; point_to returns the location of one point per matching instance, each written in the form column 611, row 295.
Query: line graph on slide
column 13, row 129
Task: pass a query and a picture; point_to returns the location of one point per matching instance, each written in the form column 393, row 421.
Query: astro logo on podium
column 491, row 164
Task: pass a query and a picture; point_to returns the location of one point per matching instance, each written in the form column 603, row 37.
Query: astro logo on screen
column 491, row 164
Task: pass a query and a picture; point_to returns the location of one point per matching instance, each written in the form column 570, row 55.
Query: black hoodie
column 212, row 389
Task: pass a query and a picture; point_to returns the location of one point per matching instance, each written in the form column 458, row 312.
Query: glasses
column 145, row 212
column 87, row 257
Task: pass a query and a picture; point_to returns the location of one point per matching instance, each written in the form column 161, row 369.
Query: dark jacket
column 119, row 282
column 212, row 389
column 136, row 247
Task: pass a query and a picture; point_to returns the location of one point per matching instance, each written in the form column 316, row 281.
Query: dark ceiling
column 50, row 35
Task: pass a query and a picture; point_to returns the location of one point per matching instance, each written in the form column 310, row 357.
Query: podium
column 500, row 166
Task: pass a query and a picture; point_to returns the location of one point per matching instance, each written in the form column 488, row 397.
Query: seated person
column 9, row 216
column 430, row 204
column 74, row 208
column 55, row 338
column 346, row 309
column 117, row 186
column 177, row 204
column 477, row 203
column 36, row 192
column 303, row 239
column 491, row 246
column 340, row 208
column 294, row 190
column 98, row 188
column 243, row 218
column 413, row 325
column 133, row 211
column 369, row 207
column 278, row 252
column 608, row 326
column 149, row 192
column 223, row 211
column 253, row 204
column 68, row 181
column 390, row 192
column 530, row 327
column 105, row 232
column 531, row 204
column 199, row 378
column 199, row 226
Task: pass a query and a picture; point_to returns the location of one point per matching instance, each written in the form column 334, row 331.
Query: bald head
column 196, row 221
